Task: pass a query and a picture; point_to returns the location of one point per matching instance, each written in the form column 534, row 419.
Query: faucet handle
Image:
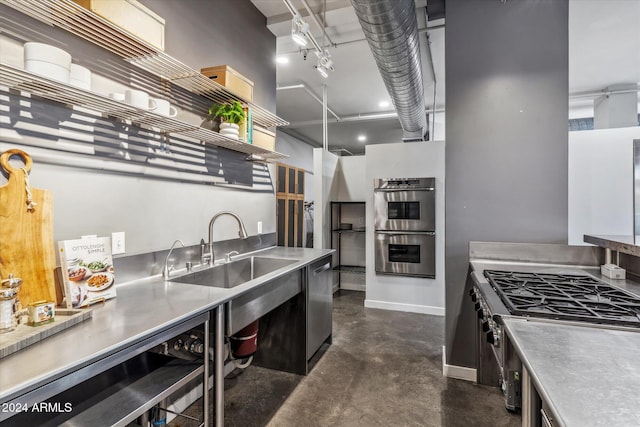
column 227, row 256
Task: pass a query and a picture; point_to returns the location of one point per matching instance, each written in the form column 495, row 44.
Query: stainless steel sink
column 234, row 273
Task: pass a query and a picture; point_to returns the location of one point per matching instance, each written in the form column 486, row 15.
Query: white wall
column 352, row 183
column 601, row 182
column 406, row 160
column 325, row 179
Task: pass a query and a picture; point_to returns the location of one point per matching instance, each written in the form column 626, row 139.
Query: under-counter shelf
column 84, row 23
column 23, row 80
column 117, row 396
column 356, row 269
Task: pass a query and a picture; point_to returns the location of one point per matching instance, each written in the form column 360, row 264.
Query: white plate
column 102, row 286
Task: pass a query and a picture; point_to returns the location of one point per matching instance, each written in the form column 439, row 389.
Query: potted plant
column 231, row 116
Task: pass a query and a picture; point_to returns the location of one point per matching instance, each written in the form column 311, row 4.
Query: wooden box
column 231, row 79
column 264, row 138
column 131, row 16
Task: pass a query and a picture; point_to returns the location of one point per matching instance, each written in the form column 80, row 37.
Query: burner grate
column 565, row 296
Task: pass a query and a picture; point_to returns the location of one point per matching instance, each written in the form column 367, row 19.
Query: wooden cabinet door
column 289, row 205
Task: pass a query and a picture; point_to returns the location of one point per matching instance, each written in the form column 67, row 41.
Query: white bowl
column 80, row 77
column 46, row 53
column 47, row 69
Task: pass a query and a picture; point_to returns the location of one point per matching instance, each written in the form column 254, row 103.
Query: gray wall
column 204, row 33
column 152, row 210
column 506, row 153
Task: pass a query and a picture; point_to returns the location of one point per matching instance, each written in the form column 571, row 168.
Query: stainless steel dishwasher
column 319, row 304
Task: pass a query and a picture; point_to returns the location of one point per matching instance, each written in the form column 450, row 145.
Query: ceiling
column 604, row 49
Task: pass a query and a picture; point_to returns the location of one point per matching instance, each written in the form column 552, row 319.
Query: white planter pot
column 230, row 130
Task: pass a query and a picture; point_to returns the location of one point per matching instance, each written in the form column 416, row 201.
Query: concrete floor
column 384, row 368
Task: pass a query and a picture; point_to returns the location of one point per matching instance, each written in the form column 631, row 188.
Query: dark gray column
column 506, row 154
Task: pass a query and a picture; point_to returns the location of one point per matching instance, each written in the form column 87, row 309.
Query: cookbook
column 88, row 275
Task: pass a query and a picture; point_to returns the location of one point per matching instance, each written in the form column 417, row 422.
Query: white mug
column 139, row 99
column 117, row 96
column 164, row 108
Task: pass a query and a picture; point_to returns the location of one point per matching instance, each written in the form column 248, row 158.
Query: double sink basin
column 234, row 273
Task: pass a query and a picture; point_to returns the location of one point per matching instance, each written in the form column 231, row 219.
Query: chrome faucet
column 242, row 233
column 167, row 269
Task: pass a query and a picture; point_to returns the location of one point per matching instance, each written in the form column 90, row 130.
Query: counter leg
column 530, row 401
column 205, row 381
column 219, row 366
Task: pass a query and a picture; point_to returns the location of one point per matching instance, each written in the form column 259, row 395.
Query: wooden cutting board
column 26, row 235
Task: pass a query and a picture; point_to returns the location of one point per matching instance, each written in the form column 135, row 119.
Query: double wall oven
column 405, row 222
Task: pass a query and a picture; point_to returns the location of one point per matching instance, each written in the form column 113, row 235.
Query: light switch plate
column 117, row 243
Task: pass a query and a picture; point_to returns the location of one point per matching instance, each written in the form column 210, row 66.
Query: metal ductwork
column 391, row 29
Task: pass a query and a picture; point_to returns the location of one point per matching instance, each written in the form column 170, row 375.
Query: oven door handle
column 422, row 233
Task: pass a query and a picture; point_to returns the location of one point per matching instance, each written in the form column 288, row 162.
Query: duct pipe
column 391, row 29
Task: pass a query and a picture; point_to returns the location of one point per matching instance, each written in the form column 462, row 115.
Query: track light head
column 299, row 30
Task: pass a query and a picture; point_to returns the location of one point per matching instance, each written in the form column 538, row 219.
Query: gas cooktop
column 565, row 296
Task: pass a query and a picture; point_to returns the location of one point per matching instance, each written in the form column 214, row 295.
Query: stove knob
column 477, row 306
column 474, row 297
column 485, row 327
column 480, row 314
column 490, row 337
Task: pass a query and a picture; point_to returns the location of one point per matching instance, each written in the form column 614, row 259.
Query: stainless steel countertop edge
column 214, row 297
column 542, row 391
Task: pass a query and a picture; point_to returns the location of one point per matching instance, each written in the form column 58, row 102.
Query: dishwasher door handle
column 322, row 268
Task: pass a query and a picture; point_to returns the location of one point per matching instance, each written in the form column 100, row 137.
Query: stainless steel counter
column 142, row 309
column 626, row 244
column 587, row 376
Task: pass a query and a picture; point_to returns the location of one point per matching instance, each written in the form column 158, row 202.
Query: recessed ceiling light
column 282, row 60
column 383, row 104
column 362, row 138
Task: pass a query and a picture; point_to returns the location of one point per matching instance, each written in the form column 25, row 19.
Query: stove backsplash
column 631, row 264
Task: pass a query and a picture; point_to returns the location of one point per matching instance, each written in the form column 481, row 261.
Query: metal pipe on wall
column 325, row 136
column 310, row 92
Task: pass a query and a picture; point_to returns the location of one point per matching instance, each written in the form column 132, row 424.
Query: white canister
column 139, row 99
column 80, row 77
column 164, row 108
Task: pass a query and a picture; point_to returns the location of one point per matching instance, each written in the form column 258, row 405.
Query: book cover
column 87, row 271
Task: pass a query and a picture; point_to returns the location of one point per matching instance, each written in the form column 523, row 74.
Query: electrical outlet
column 259, row 227
column 117, row 243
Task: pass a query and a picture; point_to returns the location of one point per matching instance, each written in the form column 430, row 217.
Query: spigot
column 227, row 257
column 167, row 268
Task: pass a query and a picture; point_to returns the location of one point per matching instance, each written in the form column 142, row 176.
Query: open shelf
column 348, row 231
column 19, row 79
column 77, row 20
column 117, row 396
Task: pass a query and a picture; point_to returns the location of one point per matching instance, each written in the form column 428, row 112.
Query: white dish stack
column 55, row 63
column 46, row 60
